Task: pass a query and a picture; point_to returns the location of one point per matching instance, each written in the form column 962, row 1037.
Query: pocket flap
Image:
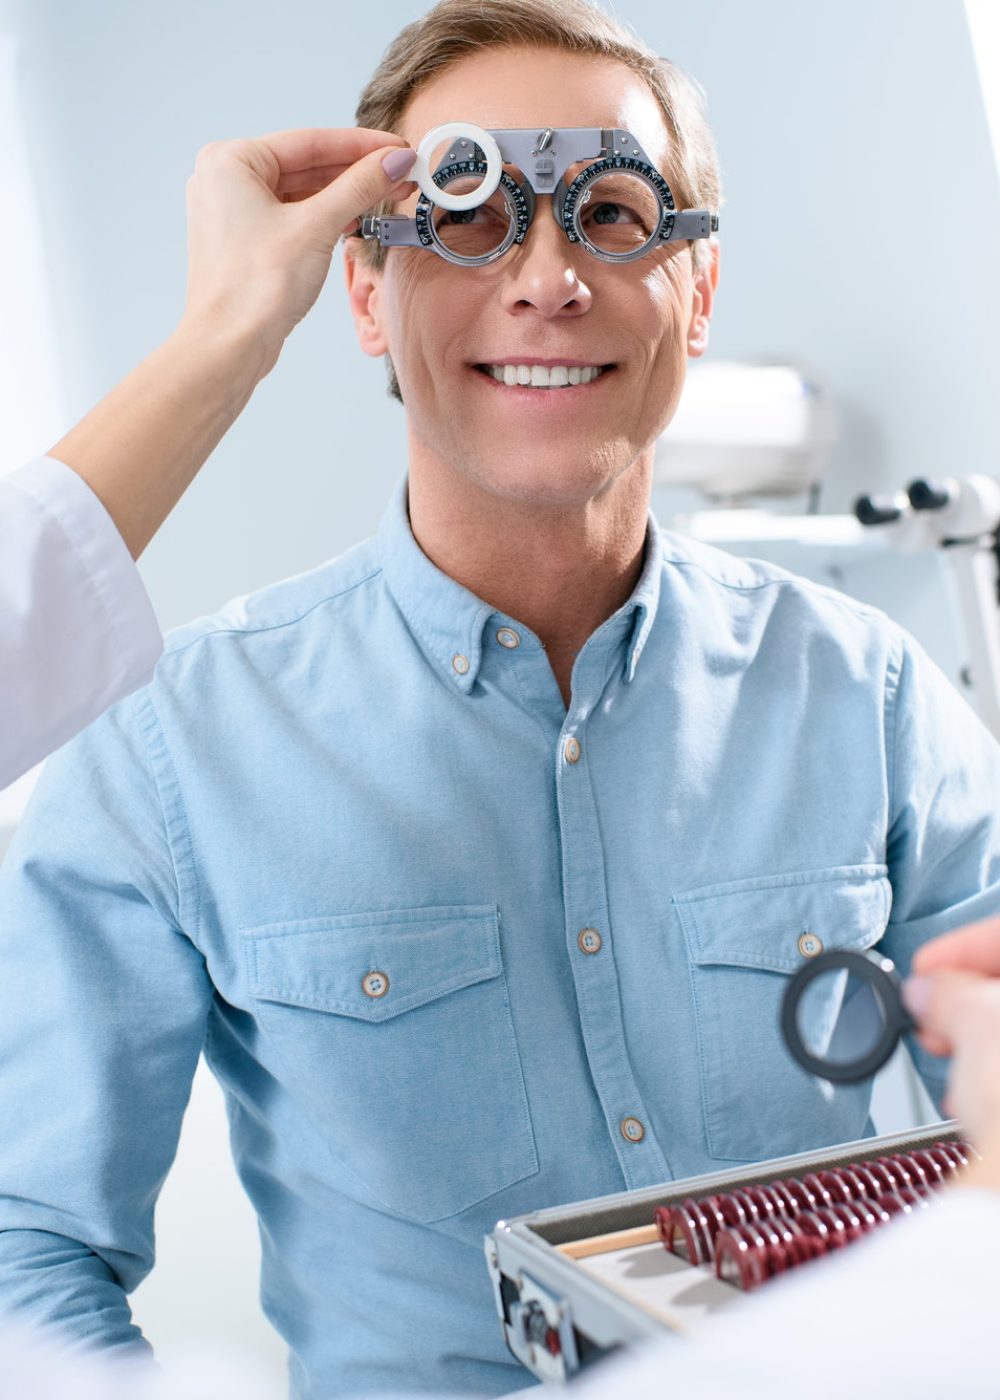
column 758, row 922
column 324, row 964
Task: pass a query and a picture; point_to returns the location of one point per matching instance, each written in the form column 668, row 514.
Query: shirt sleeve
column 908, row 1311
column 943, row 846
column 103, row 1007
column 77, row 630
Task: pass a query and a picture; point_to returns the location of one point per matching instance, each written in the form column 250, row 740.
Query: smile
column 543, row 376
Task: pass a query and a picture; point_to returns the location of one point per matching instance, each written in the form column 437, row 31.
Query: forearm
column 143, row 444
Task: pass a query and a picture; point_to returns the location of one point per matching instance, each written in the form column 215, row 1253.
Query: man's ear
column 364, row 286
column 706, row 279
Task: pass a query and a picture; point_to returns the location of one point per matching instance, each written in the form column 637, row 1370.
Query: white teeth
column 543, row 376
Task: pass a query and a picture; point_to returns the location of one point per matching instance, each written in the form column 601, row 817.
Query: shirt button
column 589, row 940
column 460, row 663
column 632, row 1130
column 508, row 638
column 572, row 749
column 810, row 944
column 375, row 984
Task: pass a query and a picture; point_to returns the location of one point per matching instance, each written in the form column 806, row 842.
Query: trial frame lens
column 618, row 210
column 479, row 235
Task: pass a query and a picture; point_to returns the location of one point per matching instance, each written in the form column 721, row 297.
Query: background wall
column 860, row 232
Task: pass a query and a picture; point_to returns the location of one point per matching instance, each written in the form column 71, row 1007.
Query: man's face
column 546, row 299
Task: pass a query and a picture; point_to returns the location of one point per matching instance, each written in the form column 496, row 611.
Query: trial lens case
column 575, row 1282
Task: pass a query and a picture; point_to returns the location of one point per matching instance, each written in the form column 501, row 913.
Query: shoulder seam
column 854, row 605
column 270, row 626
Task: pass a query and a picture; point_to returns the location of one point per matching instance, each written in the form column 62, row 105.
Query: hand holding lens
column 842, row 1015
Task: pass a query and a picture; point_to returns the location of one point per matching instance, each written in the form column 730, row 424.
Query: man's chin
column 552, row 483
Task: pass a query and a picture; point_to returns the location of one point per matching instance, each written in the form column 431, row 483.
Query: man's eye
column 608, row 213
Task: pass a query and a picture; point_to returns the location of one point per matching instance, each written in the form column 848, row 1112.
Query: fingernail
column 397, row 163
column 917, row 994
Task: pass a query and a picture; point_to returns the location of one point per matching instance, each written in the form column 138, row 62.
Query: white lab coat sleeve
column 910, row 1311
column 77, row 629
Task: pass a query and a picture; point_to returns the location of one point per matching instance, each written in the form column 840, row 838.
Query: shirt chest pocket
column 393, row 1030
column 745, row 939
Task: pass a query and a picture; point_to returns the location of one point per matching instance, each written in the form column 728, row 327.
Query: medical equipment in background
column 748, row 428
column 606, row 194
column 575, row 1282
column 927, row 556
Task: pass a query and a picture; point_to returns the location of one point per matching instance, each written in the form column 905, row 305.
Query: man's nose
column 544, row 270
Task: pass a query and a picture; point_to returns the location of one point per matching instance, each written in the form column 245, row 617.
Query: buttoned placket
column 605, row 661
column 463, row 634
column 587, row 914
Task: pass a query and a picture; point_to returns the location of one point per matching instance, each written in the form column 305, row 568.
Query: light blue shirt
column 453, row 951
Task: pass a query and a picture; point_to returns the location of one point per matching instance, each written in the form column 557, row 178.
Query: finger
column 311, row 180
column 975, row 948
column 289, row 182
column 361, row 187
column 312, row 147
column 306, row 191
column 934, row 1044
column 942, row 1001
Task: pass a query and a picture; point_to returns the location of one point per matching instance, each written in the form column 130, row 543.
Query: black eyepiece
column 928, row 495
column 877, row 510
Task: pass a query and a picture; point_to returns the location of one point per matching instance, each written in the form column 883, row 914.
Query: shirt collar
column 645, row 597
column 447, row 620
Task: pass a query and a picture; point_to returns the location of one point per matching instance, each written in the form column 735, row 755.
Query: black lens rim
column 871, row 968
column 571, row 206
column 523, row 206
column 565, row 208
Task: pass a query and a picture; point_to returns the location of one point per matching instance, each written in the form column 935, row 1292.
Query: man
column 473, row 860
